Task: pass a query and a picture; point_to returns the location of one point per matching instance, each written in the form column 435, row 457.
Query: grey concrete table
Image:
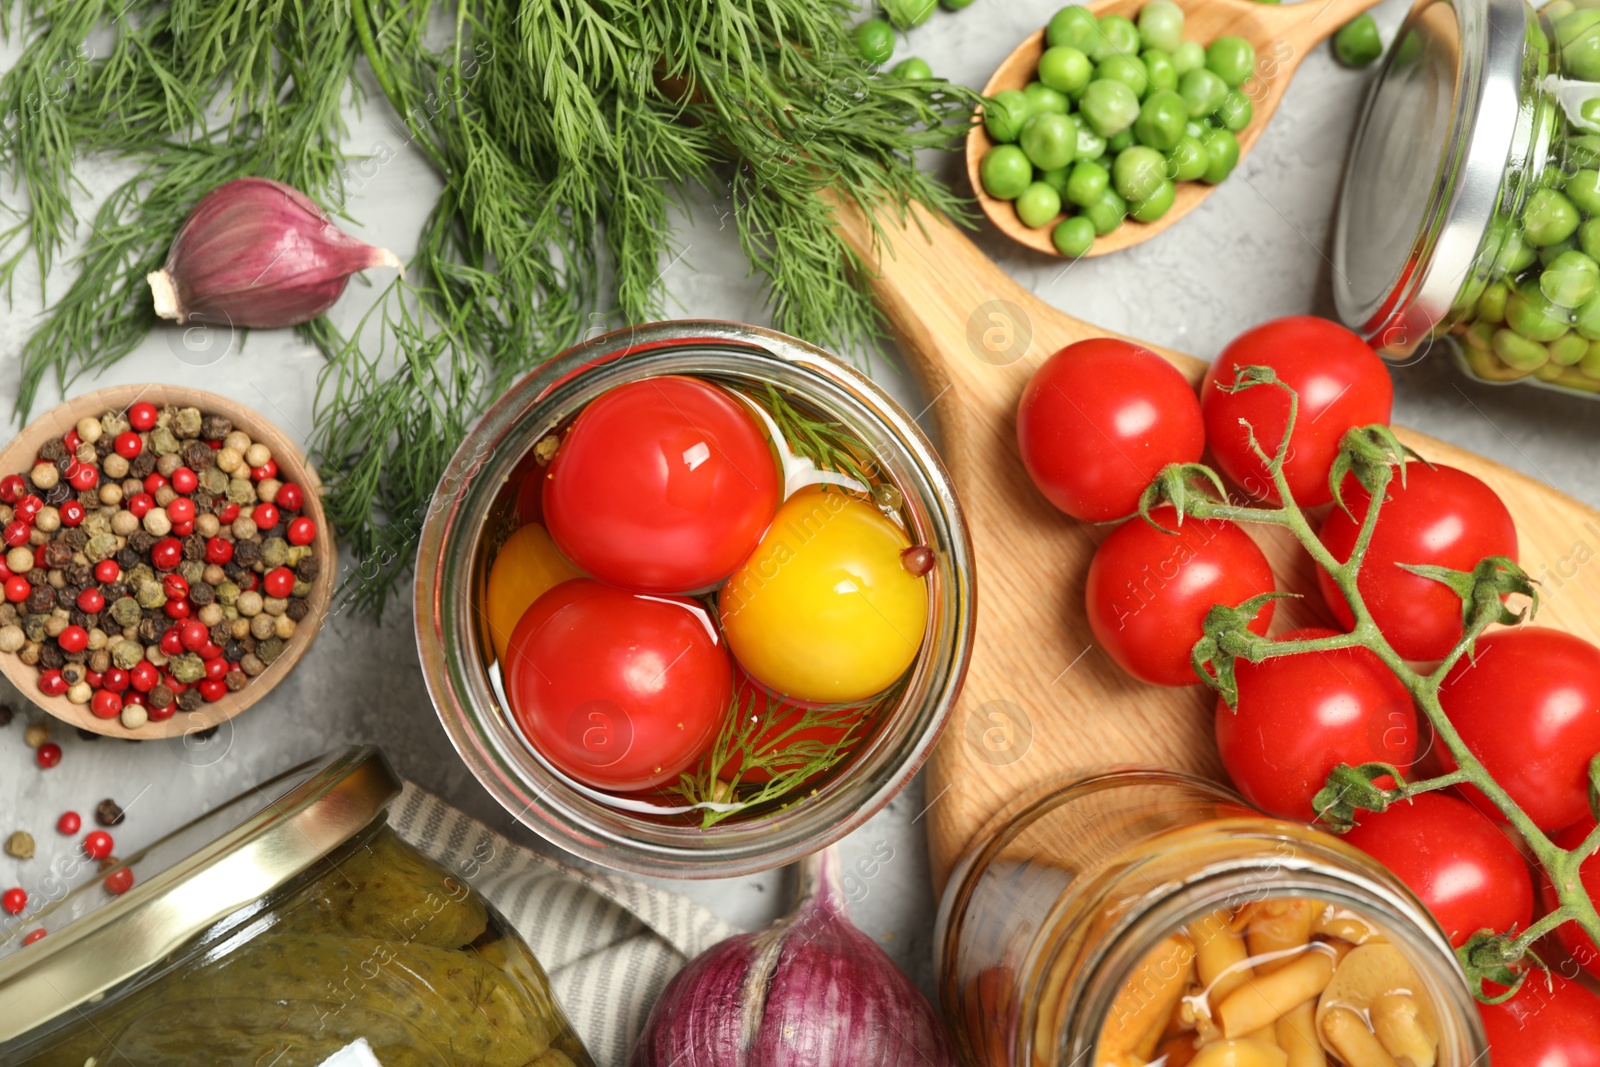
column 1256, row 250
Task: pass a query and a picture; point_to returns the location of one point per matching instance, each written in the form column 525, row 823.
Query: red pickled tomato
column 166, row 554
column 84, row 477
column 180, row 511
column 144, row 676
column 278, row 582
column 661, row 486
column 73, row 639
column 47, row 755
column 219, row 551
column 119, row 881
column 51, row 684
column 194, row 635
column 14, row 900
column 107, row 570
column 72, row 513
column 91, row 600
column 17, row 533
column 106, row 704
column 265, row 516
column 97, row 844
column 185, row 480
column 290, row 497
column 115, row 679
column 142, row 416
column 11, row 488
column 302, row 531
column 69, row 823
column 140, row 503
column 17, row 589
column 754, row 701
column 128, row 444
column 619, row 691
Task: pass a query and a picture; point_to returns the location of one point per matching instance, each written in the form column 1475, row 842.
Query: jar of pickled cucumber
column 1469, row 221
column 291, row 927
column 1142, row 917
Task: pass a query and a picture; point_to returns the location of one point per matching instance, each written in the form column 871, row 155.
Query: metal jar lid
column 216, row 866
column 1426, row 166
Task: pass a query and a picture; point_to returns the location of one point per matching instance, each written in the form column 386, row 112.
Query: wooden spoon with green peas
column 1281, row 37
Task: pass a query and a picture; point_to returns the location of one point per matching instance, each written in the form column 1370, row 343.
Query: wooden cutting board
column 1040, row 701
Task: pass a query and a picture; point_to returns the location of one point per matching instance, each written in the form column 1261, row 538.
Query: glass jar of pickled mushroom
column 1142, row 917
column 291, row 927
column 1470, row 214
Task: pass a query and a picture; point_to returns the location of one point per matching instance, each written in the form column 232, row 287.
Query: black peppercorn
column 57, row 494
column 108, row 813
column 201, row 594
column 57, row 554
column 64, row 464
column 235, row 680
column 141, row 541
column 237, row 574
column 80, row 656
column 80, row 618
column 198, row 455
column 77, row 537
column 38, row 576
column 128, row 559
column 194, row 546
column 142, row 465
column 51, row 658
column 189, row 700
column 53, row 450
column 103, row 447
column 161, row 697
column 114, row 591
column 277, row 531
column 41, row 600
column 220, row 635
column 150, row 630
column 299, row 607
column 78, row 575
column 204, row 502
column 247, row 553
column 215, row 427
column 308, row 569
column 233, row 651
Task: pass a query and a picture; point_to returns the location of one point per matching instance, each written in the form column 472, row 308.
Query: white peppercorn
column 114, row 467
column 262, row 627
column 134, row 716
column 48, row 519
column 249, row 603
column 80, row 693
column 156, row 522
column 211, row 614
column 110, row 494
column 124, row 523
column 44, row 476
column 237, row 440
column 257, row 455
column 244, row 528
column 165, row 495
column 19, row 561
column 207, row 525
column 89, row 429
column 267, row 489
column 283, row 627
column 12, row 638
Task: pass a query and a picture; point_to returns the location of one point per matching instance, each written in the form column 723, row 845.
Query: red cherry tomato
column 14, row 900
column 290, row 497
column 619, row 691
column 265, row 516
column 185, row 480
column 106, row 704
column 142, row 416
column 18, row 588
column 181, row 511
column 1340, row 382
column 166, row 554
column 47, row 755
column 1148, row 591
column 1455, row 859
column 1551, row 1022
column 278, row 582
column 1577, row 943
column 302, row 531
column 69, row 823
column 661, row 486
column 72, row 513
column 119, row 881
column 140, row 503
column 97, row 844
column 779, row 734
column 128, row 444
column 1441, row 516
column 1300, row 716
column 1099, row 419
column 1526, row 705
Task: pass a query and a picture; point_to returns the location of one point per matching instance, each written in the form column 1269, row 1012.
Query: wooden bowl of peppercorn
column 256, row 664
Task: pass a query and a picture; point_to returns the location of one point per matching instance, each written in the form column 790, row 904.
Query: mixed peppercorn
column 154, row 562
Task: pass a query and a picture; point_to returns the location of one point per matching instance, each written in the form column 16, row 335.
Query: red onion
column 808, row 991
column 258, row 253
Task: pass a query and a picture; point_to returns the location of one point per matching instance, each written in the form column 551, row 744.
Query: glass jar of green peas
column 1470, row 215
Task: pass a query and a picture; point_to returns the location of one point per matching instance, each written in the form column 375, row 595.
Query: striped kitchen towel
column 609, row 943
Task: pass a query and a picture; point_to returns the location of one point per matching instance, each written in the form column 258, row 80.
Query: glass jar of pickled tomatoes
column 524, row 457
column 1143, row 917
column 1470, row 215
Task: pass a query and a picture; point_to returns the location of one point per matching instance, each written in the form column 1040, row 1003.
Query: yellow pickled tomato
column 823, row 611
column 528, row 564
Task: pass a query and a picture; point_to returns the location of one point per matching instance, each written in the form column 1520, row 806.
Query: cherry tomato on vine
column 1300, row 716
column 619, row 691
column 1097, row 422
column 1577, row 943
column 661, row 486
column 1551, row 1022
column 1455, row 859
column 526, row 565
column 1148, row 591
column 1441, row 517
column 1527, row 704
column 1340, row 382
column 780, row 735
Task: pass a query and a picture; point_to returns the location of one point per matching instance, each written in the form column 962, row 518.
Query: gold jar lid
column 220, row 864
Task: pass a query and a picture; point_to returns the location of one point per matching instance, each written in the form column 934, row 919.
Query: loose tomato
column 1551, row 1022
column 1340, row 381
column 619, row 691
column 1455, row 859
column 1526, row 705
column 1148, row 591
column 1097, row 422
column 779, row 734
column 526, row 565
column 661, row 486
column 1300, row 716
column 824, row 611
column 1440, row 517
column 1577, row 943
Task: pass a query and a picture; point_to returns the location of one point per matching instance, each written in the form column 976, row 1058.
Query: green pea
column 1583, row 189
column 1589, row 238
column 1043, row 100
column 1547, row 254
column 1190, row 55
column 1106, row 213
column 1065, row 69
column 1055, row 179
column 1548, row 218
column 1578, row 39
column 1137, row 172
column 1109, row 106
column 1158, row 203
column 1087, row 183
column 1570, row 279
column 1232, row 59
column 1187, row 161
column 874, row 40
column 1235, row 111
column 1518, row 352
column 1358, row 42
column 1118, row 36
column 1005, row 171
column 1204, row 90
column 1161, row 120
column 1074, row 27
column 1161, row 25
column 1568, row 349
column 1492, row 303
column 1004, row 113
column 1074, row 237
column 1129, row 70
column 1158, row 67
column 1534, row 317
column 1121, row 141
column 1587, row 319
column 1590, row 363
column 1049, row 140
column 917, row 70
column 1222, row 155
column 1038, row 205
column 1090, row 144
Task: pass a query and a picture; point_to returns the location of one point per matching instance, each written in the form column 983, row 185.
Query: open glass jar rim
column 458, row 535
